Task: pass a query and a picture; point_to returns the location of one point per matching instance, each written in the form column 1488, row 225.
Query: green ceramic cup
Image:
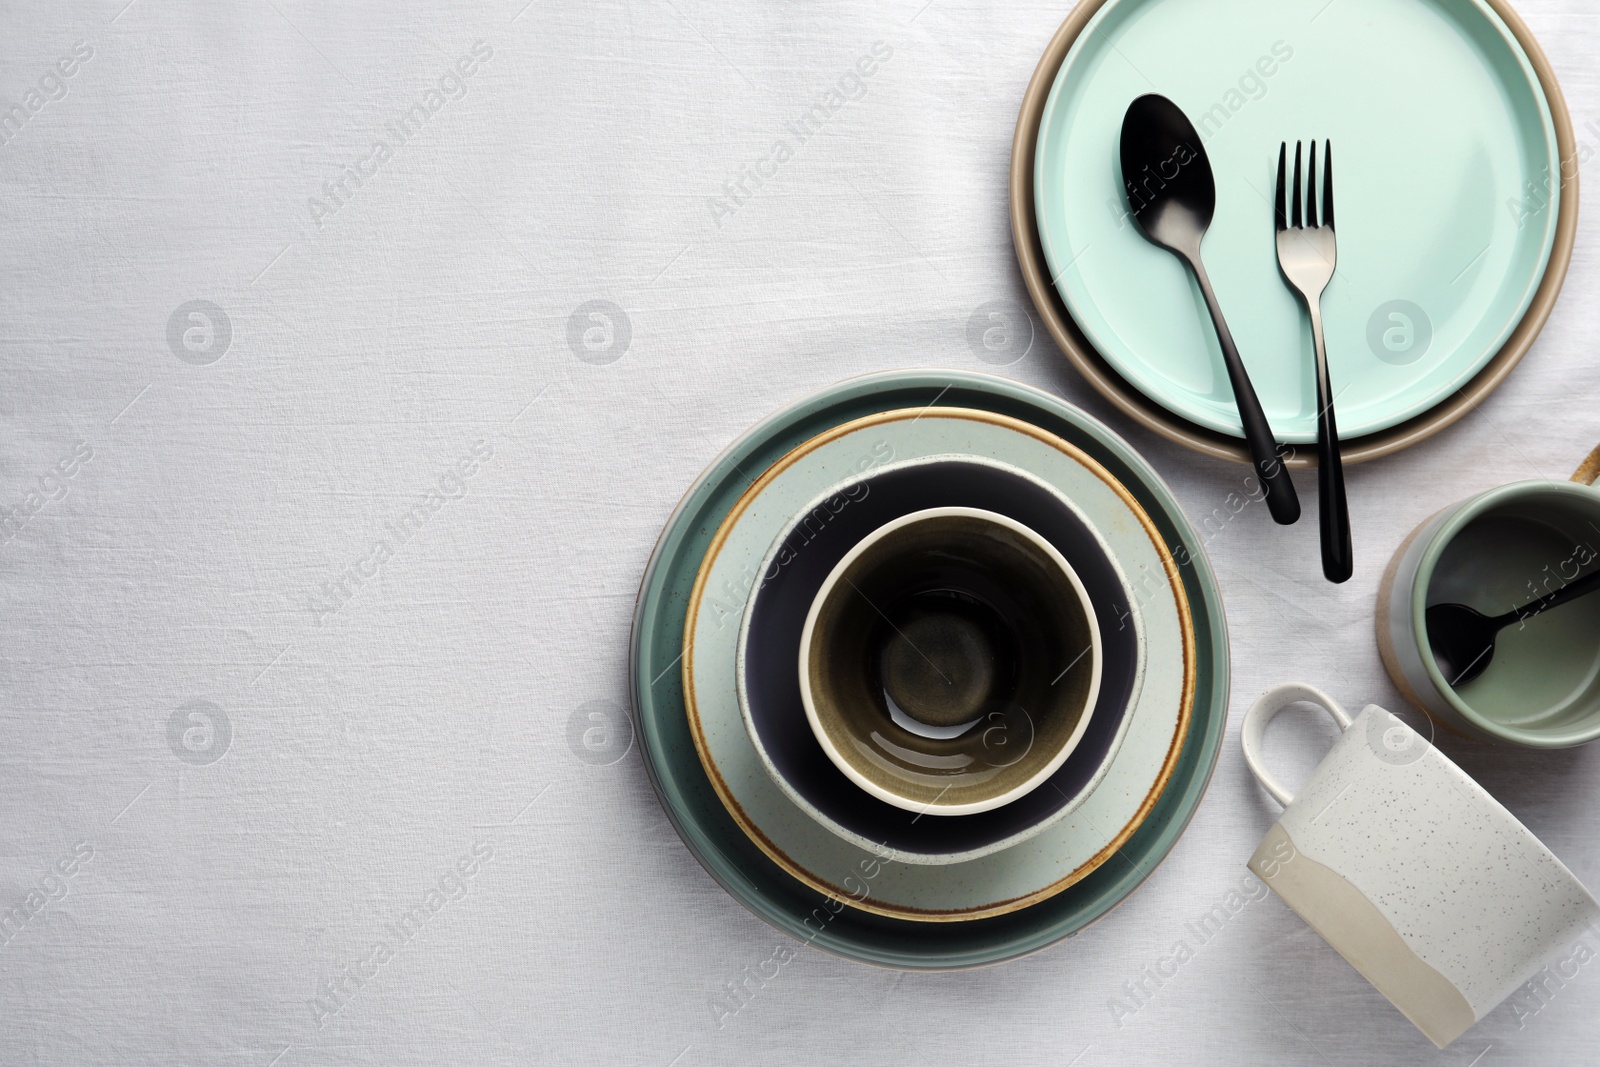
column 1497, row 552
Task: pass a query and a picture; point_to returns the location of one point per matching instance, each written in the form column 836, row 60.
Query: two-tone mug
column 1417, row 876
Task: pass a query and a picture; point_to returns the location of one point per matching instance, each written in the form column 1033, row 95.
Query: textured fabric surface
column 337, row 469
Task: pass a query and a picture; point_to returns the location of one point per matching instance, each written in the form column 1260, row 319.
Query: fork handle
column 1338, row 560
column 1265, row 455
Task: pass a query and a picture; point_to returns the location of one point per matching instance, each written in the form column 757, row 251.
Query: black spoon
column 1463, row 639
column 1172, row 197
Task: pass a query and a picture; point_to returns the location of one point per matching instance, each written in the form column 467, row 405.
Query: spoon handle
column 1265, row 454
column 1338, row 559
column 1571, row 591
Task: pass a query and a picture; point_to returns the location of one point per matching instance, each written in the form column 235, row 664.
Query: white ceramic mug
column 1420, row 879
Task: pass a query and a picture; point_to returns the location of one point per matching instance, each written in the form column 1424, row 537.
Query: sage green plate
column 1445, row 172
column 1048, row 856
column 705, row 825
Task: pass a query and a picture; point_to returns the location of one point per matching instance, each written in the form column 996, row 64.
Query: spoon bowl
column 1167, row 175
column 1462, row 640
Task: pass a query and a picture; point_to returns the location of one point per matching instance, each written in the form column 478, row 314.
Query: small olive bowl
column 950, row 661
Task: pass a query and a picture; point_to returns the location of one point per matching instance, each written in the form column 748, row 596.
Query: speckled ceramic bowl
column 872, row 910
column 995, row 882
column 794, row 569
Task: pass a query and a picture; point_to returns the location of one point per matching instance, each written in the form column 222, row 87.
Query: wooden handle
column 1589, row 470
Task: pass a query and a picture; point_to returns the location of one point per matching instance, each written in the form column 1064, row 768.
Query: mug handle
column 1263, row 711
column 1588, row 471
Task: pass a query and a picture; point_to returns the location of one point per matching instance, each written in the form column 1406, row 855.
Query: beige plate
column 1030, row 256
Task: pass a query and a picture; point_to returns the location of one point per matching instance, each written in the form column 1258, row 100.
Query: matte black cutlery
column 1307, row 256
column 1173, row 196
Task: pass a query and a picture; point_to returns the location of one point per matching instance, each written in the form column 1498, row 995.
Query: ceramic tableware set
column 916, row 655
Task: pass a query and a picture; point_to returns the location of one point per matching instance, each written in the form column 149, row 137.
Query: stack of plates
column 838, row 891
column 1457, row 176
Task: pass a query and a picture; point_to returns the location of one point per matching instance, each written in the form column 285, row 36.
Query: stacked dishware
column 1185, row 240
column 930, row 670
column 917, row 656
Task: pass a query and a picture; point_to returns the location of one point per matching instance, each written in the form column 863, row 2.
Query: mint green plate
column 1445, row 160
column 705, row 825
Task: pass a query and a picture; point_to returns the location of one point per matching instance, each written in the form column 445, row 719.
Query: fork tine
column 1311, row 188
column 1281, row 201
column 1295, row 202
column 1327, row 184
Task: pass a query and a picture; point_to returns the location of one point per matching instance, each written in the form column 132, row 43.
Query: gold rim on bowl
column 751, row 830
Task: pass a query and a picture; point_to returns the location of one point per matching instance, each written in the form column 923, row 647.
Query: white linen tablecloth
column 329, row 487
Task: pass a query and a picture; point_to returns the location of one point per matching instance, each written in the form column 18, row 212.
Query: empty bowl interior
column 1545, row 672
column 951, row 661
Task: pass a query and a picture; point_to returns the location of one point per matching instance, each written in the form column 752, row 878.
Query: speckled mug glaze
column 1417, row 876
